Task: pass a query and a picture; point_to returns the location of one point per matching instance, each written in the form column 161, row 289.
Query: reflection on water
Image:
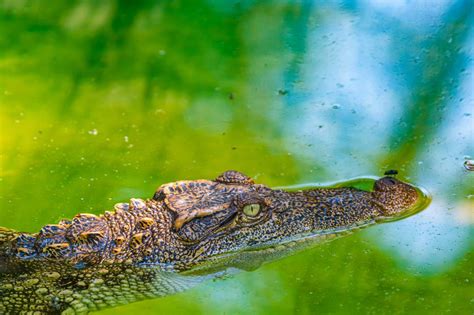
column 102, row 102
column 431, row 241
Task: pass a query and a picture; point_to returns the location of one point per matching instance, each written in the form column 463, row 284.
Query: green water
column 103, row 101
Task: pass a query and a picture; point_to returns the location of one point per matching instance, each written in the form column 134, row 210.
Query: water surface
column 105, row 101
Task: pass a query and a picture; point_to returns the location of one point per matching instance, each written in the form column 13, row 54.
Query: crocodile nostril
column 384, row 183
column 388, row 181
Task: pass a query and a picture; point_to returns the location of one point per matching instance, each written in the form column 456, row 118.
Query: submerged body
column 188, row 232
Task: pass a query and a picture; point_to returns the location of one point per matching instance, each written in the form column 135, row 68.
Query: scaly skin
column 188, row 232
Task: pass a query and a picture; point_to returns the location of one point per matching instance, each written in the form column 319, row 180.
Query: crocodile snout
column 395, row 197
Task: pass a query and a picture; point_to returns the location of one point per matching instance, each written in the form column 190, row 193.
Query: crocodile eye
column 252, row 210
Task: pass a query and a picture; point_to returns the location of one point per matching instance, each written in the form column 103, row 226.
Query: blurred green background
column 106, row 100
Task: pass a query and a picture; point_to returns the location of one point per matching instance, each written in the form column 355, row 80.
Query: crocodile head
column 233, row 222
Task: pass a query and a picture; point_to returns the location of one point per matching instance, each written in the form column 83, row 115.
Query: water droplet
column 93, row 132
column 469, row 165
column 125, row 138
column 336, row 106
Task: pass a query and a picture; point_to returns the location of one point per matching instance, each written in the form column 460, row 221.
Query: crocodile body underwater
column 188, row 232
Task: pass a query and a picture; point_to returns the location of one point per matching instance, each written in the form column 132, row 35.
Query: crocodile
column 189, row 231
